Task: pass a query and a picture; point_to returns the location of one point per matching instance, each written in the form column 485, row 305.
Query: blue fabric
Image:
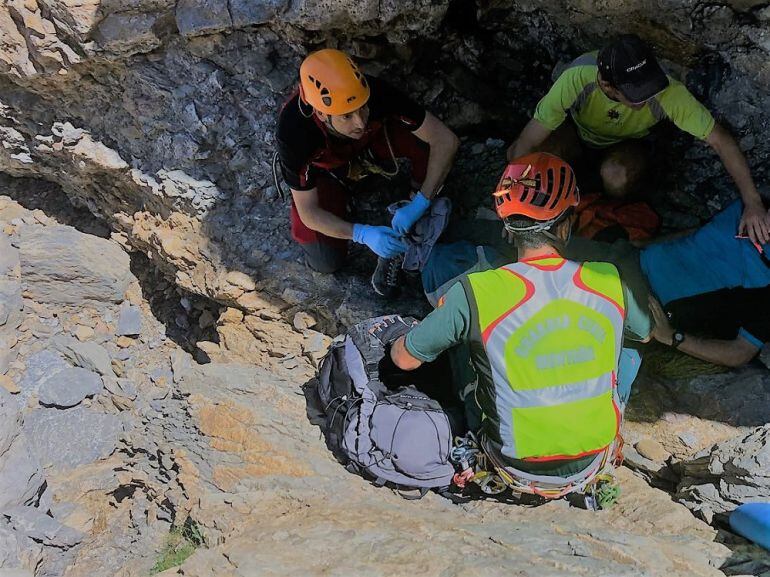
column 751, row 338
column 708, row 260
column 628, row 367
column 448, row 261
column 752, row 520
column 425, row 232
column 405, row 217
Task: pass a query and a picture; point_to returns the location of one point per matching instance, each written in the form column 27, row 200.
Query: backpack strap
column 357, row 365
column 368, row 349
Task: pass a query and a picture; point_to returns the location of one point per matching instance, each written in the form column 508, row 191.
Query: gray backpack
column 377, row 420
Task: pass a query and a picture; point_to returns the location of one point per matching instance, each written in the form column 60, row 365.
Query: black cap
column 629, row 64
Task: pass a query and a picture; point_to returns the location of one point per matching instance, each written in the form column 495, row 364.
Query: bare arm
column 318, row 219
column 401, row 357
column 755, row 220
column 443, row 147
column 532, row 136
column 733, row 353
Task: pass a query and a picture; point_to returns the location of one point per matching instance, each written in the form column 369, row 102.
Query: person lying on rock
column 545, row 337
column 340, row 123
column 603, row 105
column 710, row 289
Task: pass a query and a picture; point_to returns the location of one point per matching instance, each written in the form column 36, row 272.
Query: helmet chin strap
column 558, row 243
column 301, row 100
column 331, row 129
column 334, row 131
column 561, row 243
column 327, row 123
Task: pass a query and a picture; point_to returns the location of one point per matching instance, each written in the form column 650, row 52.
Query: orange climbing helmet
column 331, row 82
column 539, row 186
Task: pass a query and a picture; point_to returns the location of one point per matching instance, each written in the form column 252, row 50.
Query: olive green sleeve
column 442, row 329
column 552, row 108
column 685, row 111
column 638, row 324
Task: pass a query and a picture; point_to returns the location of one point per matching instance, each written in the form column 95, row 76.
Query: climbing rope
column 602, row 493
column 393, row 161
column 366, row 164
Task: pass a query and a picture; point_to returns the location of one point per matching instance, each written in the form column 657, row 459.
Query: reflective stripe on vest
column 552, row 331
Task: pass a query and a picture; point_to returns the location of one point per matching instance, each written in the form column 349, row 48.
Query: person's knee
column 325, row 260
column 325, row 267
column 615, row 178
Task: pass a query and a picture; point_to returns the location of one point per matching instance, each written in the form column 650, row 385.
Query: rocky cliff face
column 157, row 117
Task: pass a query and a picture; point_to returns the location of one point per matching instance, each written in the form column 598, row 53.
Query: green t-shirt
column 450, row 325
column 602, row 122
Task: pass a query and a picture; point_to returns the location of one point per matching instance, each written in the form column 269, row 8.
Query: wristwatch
column 677, row 339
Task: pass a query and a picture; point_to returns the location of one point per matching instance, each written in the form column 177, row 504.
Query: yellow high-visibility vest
column 552, row 332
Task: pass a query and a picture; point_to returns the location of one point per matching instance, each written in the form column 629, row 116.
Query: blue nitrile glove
column 381, row 239
column 405, row 217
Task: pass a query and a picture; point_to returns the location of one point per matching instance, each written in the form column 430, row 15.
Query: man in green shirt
column 613, row 99
column 545, row 335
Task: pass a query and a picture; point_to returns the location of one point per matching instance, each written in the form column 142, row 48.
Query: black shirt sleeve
column 387, row 101
column 297, row 139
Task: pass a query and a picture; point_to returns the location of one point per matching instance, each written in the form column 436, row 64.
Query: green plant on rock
column 181, row 542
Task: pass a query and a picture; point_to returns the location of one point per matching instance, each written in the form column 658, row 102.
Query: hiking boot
column 385, row 277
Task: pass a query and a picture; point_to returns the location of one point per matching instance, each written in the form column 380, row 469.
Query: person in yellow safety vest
column 545, row 335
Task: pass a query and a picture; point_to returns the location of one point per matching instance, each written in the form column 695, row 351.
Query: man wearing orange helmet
column 545, row 336
column 339, row 120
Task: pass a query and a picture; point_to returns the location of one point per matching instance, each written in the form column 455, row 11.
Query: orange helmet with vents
column 331, row 82
column 539, row 186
